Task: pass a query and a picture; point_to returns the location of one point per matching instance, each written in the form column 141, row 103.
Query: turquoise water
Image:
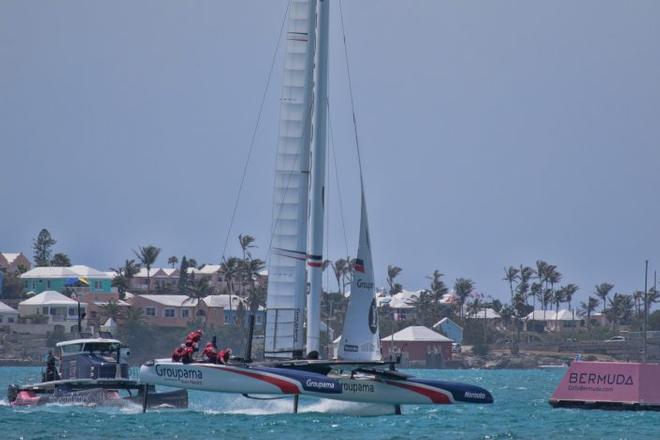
column 520, row 412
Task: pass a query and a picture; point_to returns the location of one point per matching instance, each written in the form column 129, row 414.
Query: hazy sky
column 493, row 132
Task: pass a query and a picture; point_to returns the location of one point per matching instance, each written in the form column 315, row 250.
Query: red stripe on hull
column 286, row 387
column 435, row 396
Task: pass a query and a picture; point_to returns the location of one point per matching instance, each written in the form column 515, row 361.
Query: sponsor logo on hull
column 179, row 374
column 321, row 386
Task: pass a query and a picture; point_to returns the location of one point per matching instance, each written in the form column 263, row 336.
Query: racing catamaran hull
column 266, row 380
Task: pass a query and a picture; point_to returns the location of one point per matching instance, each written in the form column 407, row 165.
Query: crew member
column 195, row 336
column 209, row 353
column 187, row 356
column 223, row 356
column 178, row 353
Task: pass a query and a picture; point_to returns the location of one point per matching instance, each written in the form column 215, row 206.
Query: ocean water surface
column 520, row 411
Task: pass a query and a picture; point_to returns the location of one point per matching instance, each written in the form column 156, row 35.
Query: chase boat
column 91, row 372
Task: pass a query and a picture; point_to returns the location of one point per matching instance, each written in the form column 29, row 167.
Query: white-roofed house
column 77, row 278
column 418, row 345
column 8, row 315
column 231, row 315
column 551, row 321
column 162, row 279
column 402, row 305
column 53, row 308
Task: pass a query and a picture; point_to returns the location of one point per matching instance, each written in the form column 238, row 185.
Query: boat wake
column 322, row 406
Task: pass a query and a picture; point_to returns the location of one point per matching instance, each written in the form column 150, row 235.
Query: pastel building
column 56, row 308
column 450, row 329
column 13, row 261
column 8, row 315
column 78, row 278
column 156, row 279
column 418, row 346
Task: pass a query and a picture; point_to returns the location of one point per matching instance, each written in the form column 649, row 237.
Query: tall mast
column 317, row 189
column 286, row 270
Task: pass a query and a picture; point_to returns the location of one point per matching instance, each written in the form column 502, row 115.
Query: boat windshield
column 102, row 348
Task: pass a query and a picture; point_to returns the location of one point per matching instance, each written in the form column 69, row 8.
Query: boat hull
column 265, row 380
column 84, row 393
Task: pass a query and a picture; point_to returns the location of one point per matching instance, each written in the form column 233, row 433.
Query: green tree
column 620, row 310
column 463, row 288
column 172, row 261
column 183, row 274
column 197, row 290
column 111, row 310
column 230, row 269
column 569, row 291
column 587, row 308
column 42, row 247
column 511, row 276
column 342, row 270
column 147, row 256
column 60, row 260
column 247, row 242
column 392, row 273
column 602, row 291
column 124, row 275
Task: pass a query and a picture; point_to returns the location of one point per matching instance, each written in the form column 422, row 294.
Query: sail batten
column 286, row 275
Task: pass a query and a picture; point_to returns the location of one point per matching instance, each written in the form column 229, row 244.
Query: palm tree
column 124, row 275
column 196, row 291
column 511, row 275
column 587, row 308
column 463, row 288
column 558, row 298
column 148, row 256
column 230, row 270
column 392, row 273
column 173, row 260
column 111, row 310
column 437, row 287
column 638, row 297
column 602, row 291
column 620, row 310
column 546, row 299
column 339, row 267
column 247, row 242
column 251, row 269
column 569, row 291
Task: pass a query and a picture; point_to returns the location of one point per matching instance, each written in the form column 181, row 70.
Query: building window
column 150, row 311
column 169, row 313
column 10, row 319
column 26, row 284
column 97, row 284
column 0, row 318
column 44, row 310
column 258, row 319
column 185, row 313
column 48, row 284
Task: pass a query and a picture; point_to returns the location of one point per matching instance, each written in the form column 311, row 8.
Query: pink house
column 176, row 310
column 11, row 262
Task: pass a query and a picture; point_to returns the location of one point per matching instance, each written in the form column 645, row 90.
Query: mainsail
column 360, row 340
column 286, row 270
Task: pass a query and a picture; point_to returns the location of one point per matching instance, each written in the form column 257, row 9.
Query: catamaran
column 292, row 367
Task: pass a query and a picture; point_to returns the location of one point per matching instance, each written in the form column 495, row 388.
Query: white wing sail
column 286, row 272
column 360, row 339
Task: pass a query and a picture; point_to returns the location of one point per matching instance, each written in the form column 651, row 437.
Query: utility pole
column 646, row 309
